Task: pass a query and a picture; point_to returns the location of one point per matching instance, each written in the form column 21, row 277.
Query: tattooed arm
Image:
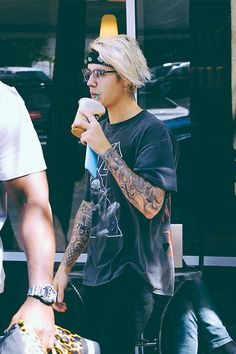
column 142, row 194
column 80, row 236
column 78, row 242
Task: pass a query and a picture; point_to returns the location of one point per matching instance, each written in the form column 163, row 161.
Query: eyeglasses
column 97, row 73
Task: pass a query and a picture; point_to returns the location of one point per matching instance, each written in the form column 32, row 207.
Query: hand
column 93, row 135
column 40, row 317
column 60, row 282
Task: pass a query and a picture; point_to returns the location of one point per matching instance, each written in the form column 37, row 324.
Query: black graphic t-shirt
column 121, row 237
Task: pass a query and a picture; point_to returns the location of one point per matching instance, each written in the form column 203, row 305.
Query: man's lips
column 94, row 95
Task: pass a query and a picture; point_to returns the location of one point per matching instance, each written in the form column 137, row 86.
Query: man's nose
column 91, row 81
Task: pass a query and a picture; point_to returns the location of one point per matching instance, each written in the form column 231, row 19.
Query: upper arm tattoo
column 80, row 234
column 147, row 198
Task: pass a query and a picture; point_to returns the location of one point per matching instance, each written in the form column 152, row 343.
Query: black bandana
column 94, row 58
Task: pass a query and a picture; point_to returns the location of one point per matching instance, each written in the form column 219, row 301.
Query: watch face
column 49, row 294
column 45, row 293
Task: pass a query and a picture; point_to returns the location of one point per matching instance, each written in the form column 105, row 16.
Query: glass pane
column 95, row 10
column 27, row 51
column 164, row 35
column 28, row 54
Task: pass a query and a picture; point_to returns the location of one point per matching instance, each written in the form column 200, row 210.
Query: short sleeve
column 156, row 160
column 20, row 149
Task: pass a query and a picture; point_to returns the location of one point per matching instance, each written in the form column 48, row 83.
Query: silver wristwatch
column 45, row 293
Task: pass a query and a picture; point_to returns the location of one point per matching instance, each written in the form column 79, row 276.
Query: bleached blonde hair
column 123, row 53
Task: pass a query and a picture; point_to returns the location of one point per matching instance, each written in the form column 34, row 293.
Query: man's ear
column 125, row 82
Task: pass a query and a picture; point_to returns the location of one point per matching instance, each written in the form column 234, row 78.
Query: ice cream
column 87, row 105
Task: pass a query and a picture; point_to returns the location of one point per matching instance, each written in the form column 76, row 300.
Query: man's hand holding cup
column 87, row 105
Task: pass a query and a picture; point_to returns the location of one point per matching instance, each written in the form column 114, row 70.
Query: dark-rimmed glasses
column 97, row 73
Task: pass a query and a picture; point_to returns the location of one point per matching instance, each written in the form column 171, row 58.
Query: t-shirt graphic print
column 105, row 211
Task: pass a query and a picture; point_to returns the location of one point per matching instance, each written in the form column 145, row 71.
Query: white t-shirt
column 20, row 149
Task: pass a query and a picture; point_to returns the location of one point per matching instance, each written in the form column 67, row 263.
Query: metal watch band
column 45, row 293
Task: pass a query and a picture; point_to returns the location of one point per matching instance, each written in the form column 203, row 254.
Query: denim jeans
column 117, row 312
column 194, row 319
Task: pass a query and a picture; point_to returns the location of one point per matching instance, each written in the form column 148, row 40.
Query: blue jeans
column 117, row 313
column 193, row 316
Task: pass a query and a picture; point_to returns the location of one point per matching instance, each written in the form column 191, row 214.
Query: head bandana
column 94, row 58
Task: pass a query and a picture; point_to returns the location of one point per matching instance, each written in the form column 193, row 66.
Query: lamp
column 108, row 27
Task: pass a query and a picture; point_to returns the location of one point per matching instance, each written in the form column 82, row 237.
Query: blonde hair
column 122, row 52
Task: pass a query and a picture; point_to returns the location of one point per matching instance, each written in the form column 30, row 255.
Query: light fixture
column 108, row 27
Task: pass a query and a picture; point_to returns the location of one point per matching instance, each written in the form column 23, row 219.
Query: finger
column 14, row 320
column 51, row 341
column 59, row 307
column 83, row 138
column 60, row 295
column 47, row 338
column 63, row 304
column 9, row 326
column 90, row 117
column 81, row 123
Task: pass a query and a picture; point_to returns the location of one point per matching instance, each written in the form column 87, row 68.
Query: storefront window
column 51, row 43
column 183, row 47
column 189, row 54
column 164, row 35
column 27, row 52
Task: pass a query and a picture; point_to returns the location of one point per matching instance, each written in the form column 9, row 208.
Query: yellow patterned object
column 22, row 339
column 67, row 343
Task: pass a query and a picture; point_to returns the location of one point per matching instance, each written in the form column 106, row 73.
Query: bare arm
column 30, row 194
column 78, row 242
column 142, row 194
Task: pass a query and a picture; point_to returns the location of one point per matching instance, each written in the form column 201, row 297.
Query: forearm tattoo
column 145, row 197
column 80, row 234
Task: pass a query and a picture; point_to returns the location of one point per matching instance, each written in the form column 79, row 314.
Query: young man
column 22, row 175
column 128, row 229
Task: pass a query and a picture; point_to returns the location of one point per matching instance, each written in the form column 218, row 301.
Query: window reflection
column 33, row 34
column 164, row 36
column 165, row 42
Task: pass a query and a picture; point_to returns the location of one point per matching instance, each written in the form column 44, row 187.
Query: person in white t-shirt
column 22, row 175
